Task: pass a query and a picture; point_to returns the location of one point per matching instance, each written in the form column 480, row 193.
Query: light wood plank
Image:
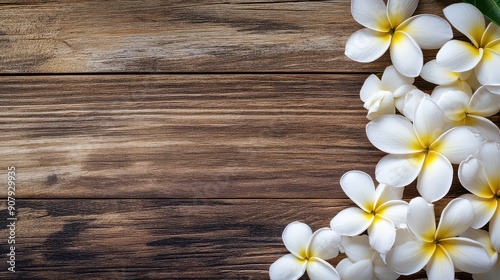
column 181, row 36
column 159, row 239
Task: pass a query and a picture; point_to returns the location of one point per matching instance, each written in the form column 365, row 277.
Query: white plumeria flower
column 438, row 249
column 380, row 210
column 362, row 261
column 381, row 96
column 471, row 110
column 483, row 55
column 392, row 27
column 480, row 174
column 483, row 237
column 308, row 253
column 423, row 149
column 464, row 81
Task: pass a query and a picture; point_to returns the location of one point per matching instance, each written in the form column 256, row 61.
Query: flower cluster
column 423, row 134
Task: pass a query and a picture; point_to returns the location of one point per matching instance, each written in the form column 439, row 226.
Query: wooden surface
column 177, row 139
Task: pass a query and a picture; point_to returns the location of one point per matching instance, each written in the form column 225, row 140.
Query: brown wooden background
column 176, row 139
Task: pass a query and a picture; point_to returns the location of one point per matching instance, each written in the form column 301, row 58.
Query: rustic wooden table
column 176, row 139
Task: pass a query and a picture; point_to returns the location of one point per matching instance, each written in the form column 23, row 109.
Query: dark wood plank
column 181, row 36
column 183, row 136
column 157, row 239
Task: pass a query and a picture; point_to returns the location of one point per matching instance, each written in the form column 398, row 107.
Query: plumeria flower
column 382, row 96
column 483, row 237
column 308, row 253
column 444, row 78
column 392, row 27
column 362, row 261
column 480, row 174
column 438, row 249
column 471, row 110
column 424, row 149
column 380, row 210
column 483, row 55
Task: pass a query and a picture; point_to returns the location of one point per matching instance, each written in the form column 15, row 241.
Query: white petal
column 467, row 19
column 395, row 211
column 456, row 218
column 488, row 130
column 488, row 68
column 351, row 221
column 492, row 274
column 435, row 178
column 384, row 193
column 399, row 170
column 398, row 11
column 381, row 234
column 483, row 237
column 493, row 88
column 489, row 155
column 409, row 257
column 366, row 45
column 406, row 55
column 296, row 236
column 343, row 267
column 473, row 83
column 432, row 73
column 357, row 248
column 458, row 56
column 473, row 177
column 454, row 104
column 400, row 95
column 438, row 91
column 467, row 255
column 371, row 14
column 359, row 270
column 324, row 244
column 371, row 86
column 379, row 105
column 392, row 79
column 491, row 34
column 287, row 267
column 484, row 208
column 318, row 269
column 484, row 103
column 494, row 45
column 381, row 270
column 393, row 134
column 495, row 230
column 440, row 265
column 429, row 121
column 404, row 235
column 411, row 102
column 418, row 28
column 421, row 219
column 359, row 188
column 457, row 143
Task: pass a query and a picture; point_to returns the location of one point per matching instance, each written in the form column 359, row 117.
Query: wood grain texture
column 177, row 136
column 181, row 36
column 176, row 139
column 159, row 239
column 184, row 136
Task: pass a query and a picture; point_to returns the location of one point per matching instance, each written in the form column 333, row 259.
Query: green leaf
column 490, row 8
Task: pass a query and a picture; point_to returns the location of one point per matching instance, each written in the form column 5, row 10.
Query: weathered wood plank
column 157, row 239
column 181, row 36
column 183, row 136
